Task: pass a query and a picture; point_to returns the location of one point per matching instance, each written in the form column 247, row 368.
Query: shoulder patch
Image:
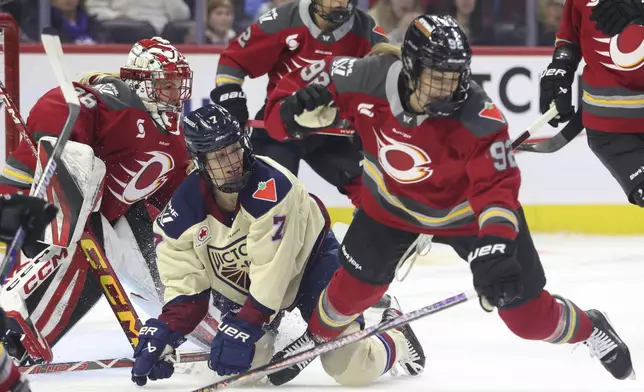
column 491, row 112
column 367, row 75
column 116, row 94
column 267, row 187
column 280, row 18
column 185, row 209
column 480, row 115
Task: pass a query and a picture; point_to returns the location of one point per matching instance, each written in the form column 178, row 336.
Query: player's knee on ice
column 361, row 363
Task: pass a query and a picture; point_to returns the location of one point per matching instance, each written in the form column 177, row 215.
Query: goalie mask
column 334, row 11
column 161, row 77
column 219, row 147
column 436, row 59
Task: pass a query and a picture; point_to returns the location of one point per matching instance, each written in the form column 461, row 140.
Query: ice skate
column 606, row 345
column 283, row 376
column 413, row 363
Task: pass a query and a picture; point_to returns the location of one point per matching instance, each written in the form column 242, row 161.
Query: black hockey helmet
column 335, row 15
column 439, row 45
column 219, row 147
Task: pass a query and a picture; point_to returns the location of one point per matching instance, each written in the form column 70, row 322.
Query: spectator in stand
column 157, row 12
column 549, row 17
column 398, row 34
column 219, row 31
column 468, row 13
column 389, row 13
column 72, row 21
column 269, row 5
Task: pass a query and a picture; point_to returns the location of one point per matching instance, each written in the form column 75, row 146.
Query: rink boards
column 567, row 191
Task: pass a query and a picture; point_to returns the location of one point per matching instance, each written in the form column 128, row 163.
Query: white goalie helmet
column 161, row 77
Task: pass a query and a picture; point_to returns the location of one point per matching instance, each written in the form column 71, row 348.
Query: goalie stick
column 54, row 51
column 113, row 363
column 101, row 267
column 14, row 112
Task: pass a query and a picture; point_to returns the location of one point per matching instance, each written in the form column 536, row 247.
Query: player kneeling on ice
column 244, row 227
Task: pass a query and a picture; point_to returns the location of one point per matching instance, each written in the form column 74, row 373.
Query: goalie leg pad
column 76, row 189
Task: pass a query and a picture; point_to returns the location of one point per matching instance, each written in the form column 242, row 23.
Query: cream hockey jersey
column 256, row 255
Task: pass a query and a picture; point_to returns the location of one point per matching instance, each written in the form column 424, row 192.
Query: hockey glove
column 307, row 98
column 233, row 348
column 32, row 213
column 156, row 341
column 495, row 269
column 233, row 99
column 637, row 196
column 556, row 83
column 613, row 16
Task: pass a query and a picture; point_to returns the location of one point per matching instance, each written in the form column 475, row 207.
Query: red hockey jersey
column 142, row 160
column 286, row 38
column 613, row 78
column 450, row 176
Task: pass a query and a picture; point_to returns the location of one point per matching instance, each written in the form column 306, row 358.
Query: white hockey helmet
column 161, row 77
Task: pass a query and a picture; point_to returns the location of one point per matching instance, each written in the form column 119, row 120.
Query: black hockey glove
column 556, row 83
column 307, row 98
column 496, row 270
column 637, row 196
column 613, row 16
column 233, row 99
column 32, row 213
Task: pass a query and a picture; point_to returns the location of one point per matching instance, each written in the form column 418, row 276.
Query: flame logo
column 144, row 182
column 405, row 163
column 625, row 50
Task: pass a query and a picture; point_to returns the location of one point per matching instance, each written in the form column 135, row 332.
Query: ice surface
column 467, row 349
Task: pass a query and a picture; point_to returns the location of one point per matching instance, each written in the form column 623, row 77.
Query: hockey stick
column 14, row 112
column 326, row 131
column 571, row 130
column 54, row 51
column 341, row 342
column 113, row 363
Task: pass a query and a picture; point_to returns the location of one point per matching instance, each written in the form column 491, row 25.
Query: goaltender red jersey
column 613, row 78
column 451, row 175
column 286, row 39
column 142, row 160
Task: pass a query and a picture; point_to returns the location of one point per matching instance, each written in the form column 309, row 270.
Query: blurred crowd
column 87, row 22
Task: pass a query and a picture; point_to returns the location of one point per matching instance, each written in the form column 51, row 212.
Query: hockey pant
column 356, row 364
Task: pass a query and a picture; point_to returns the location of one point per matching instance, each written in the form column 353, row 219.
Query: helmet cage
column 334, row 15
column 166, row 98
column 444, row 49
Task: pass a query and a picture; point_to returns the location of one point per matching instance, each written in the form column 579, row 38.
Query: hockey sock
column 549, row 318
column 341, row 302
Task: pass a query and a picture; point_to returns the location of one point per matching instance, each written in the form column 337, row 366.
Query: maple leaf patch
column 491, row 112
column 266, row 190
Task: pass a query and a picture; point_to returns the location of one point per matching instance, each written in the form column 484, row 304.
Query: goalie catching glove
column 156, row 342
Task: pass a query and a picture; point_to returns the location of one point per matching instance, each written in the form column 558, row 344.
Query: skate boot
column 414, row 363
column 283, row 376
column 606, row 345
